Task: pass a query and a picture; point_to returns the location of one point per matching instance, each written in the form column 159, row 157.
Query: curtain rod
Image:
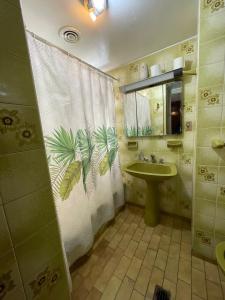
column 69, row 54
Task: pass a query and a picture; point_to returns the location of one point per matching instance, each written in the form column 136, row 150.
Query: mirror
column 154, row 111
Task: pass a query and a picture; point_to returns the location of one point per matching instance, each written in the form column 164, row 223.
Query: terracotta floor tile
column 183, row 291
column 147, row 234
column 184, row 272
column 138, row 234
column 134, row 268
column 164, row 242
column 111, row 289
column 198, row 263
column 142, row 281
column 214, row 291
column 156, row 278
column 176, row 235
column 154, row 243
column 125, row 241
column 161, row 259
column 212, row 272
column 199, row 284
column 122, row 267
column 136, row 296
column 171, row 287
column 149, row 259
column 115, row 240
column 125, row 289
column 174, row 250
column 171, row 271
column 131, row 248
column 105, row 276
column 94, row 295
column 141, row 250
column 130, row 258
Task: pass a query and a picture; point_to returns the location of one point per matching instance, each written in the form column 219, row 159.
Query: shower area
column 77, row 112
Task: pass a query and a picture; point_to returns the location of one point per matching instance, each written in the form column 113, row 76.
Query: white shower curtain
column 77, row 112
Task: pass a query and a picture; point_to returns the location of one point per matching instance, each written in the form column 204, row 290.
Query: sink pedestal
column 152, row 212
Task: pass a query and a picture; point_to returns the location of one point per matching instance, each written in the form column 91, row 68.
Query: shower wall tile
column 49, row 282
column 10, row 281
column 5, row 242
column 22, row 173
column 29, row 239
column 41, row 212
column 17, row 89
column 42, row 245
column 210, row 163
column 172, row 199
column 12, row 30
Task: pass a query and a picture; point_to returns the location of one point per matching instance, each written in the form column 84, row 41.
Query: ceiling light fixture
column 95, row 8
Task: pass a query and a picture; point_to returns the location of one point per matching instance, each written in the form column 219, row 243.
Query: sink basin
column 152, row 173
column 220, row 255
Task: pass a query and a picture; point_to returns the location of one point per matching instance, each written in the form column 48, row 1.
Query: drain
column 69, row 34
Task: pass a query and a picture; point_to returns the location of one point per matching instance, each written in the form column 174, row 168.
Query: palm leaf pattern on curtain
column 63, row 148
column 64, row 169
column 107, row 145
column 86, row 146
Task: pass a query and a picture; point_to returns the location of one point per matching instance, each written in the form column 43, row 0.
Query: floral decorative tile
column 187, row 48
column 188, row 126
column 213, row 5
column 209, row 97
column 19, row 128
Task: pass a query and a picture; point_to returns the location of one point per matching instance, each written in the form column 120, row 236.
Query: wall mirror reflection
column 154, row 111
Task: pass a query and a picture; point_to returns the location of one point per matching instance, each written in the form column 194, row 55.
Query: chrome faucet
column 153, row 159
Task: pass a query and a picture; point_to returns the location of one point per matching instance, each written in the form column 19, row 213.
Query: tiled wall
column 31, row 260
column 175, row 194
column 209, row 201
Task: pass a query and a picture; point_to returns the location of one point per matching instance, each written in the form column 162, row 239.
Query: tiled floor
column 129, row 259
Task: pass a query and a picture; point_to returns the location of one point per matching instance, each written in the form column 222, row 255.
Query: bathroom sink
column 153, row 174
column 151, row 171
column 220, row 255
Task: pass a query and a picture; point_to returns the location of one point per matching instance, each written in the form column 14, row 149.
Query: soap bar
column 217, row 143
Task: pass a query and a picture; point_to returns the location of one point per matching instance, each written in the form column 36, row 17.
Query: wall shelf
column 153, row 81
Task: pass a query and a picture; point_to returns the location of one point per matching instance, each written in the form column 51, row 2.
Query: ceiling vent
column 69, row 34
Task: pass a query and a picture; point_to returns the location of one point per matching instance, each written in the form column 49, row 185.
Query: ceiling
column 128, row 30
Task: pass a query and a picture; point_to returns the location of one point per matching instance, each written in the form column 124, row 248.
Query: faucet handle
column 161, row 161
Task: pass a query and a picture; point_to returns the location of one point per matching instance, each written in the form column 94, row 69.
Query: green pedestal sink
column 220, row 255
column 152, row 173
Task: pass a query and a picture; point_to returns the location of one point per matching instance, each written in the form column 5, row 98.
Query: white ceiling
column 128, row 30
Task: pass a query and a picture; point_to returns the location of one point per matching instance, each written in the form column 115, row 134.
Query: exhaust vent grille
column 69, row 34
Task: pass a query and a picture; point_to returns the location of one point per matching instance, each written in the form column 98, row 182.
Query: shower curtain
column 77, row 112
